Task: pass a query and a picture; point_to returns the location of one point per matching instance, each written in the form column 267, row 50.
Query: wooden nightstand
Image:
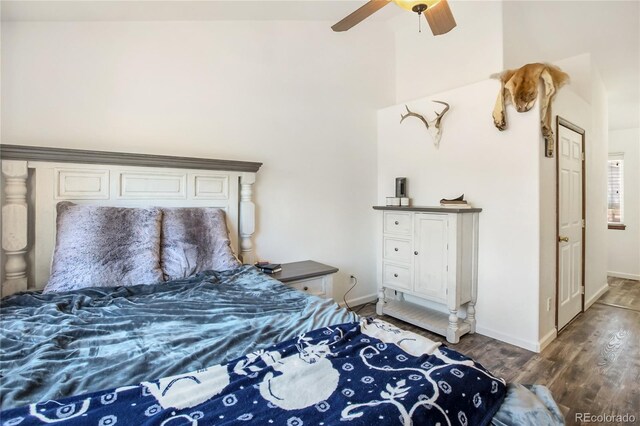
column 308, row 276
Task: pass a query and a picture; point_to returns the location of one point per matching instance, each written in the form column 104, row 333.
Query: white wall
column 497, row 171
column 624, row 246
column 524, row 44
column 584, row 103
column 596, row 153
column 469, row 53
column 293, row 95
column 572, row 107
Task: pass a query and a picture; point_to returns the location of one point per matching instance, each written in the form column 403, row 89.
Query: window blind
column 615, row 190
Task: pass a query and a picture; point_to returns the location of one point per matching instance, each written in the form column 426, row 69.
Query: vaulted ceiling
column 608, row 30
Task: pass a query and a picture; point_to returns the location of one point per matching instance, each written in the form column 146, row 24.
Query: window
column 615, row 189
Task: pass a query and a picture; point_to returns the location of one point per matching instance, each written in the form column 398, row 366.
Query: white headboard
column 36, row 179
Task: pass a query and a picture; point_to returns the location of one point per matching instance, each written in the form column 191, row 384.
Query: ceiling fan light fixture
column 436, row 12
column 418, row 6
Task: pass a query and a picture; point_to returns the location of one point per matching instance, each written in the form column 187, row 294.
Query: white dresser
column 430, row 253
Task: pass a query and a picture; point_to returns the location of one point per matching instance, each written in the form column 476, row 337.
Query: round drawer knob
column 395, row 275
column 415, row 252
column 396, row 249
column 306, row 288
column 397, row 223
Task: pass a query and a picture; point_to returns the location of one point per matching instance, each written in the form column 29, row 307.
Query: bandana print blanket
column 366, row 373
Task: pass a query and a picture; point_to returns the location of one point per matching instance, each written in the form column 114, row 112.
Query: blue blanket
column 57, row 345
column 364, row 373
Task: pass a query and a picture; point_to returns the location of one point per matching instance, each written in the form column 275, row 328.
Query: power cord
column 344, row 298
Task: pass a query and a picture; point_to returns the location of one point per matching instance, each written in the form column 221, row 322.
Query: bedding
column 364, row 373
column 195, row 240
column 55, row 345
column 104, row 246
column 528, row 405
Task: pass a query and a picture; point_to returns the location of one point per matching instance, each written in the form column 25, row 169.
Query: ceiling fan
column 437, row 12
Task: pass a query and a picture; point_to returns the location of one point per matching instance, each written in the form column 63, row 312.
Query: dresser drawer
column 397, row 249
column 396, row 276
column 315, row 286
column 397, row 223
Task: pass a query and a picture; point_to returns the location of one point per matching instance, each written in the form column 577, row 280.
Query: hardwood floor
column 592, row 367
column 622, row 293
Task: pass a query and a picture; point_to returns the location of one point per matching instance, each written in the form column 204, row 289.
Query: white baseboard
column 592, row 299
column 525, row 344
column 546, row 339
column 359, row 300
column 624, row 275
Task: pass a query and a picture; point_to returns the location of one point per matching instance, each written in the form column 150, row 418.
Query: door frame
column 569, row 125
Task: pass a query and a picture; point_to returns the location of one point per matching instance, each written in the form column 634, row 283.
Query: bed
column 216, row 347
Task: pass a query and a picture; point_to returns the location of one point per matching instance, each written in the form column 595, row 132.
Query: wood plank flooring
column 592, row 367
column 623, row 293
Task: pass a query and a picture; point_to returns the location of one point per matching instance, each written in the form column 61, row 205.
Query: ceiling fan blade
column 360, row 15
column 440, row 18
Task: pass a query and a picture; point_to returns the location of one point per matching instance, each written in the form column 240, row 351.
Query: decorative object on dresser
column 433, row 126
column 401, row 187
column 401, row 191
column 393, row 201
column 431, row 254
column 311, row 277
column 398, row 202
column 401, row 199
column 456, row 203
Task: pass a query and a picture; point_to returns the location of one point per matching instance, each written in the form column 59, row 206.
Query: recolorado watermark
column 605, row 418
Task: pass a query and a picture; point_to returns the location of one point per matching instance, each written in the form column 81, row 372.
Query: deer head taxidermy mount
column 437, row 13
column 433, row 126
column 520, row 87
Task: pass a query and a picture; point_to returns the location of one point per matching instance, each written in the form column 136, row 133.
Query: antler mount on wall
column 433, row 126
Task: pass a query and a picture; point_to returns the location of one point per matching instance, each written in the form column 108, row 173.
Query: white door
column 570, row 223
column 430, row 256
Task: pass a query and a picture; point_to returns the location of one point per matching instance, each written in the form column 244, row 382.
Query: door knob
column 563, row 239
column 415, row 252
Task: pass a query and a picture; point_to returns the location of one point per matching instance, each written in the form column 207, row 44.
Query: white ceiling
column 609, row 30
column 178, row 10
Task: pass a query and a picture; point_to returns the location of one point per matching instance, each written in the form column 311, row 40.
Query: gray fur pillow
column 105, row 246
column 194, row 240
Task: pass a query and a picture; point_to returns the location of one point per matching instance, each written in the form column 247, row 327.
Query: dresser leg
column 452, row 330
column 380, row 303
column 471, row 317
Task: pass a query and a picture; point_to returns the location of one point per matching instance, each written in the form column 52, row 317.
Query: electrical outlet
column 548, row 304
